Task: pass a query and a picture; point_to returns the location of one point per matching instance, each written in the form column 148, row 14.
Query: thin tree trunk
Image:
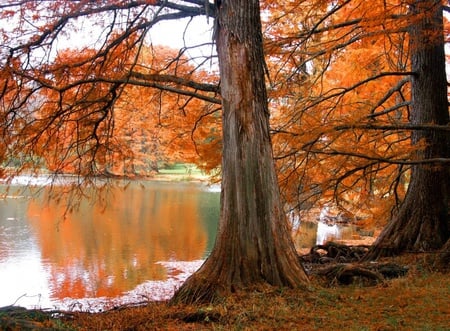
column 254, row 244
column 422, row 223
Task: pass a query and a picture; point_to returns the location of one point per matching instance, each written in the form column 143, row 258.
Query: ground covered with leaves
column 418, row 300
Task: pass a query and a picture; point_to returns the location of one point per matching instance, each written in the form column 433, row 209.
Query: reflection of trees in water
column 317, row 233
column 99, row 251
column 305, row 235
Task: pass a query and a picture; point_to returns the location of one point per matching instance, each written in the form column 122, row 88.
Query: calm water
column 139, row 246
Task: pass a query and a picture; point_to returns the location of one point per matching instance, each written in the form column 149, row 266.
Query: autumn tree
column 348, row 73
column 64, row 106
column 166, row 126
column 340, row 131
column 254, row 245
column 339, row 94
column 422, row 223
column 147, row 126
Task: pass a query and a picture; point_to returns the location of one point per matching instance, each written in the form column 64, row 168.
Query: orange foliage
column 165, row 126
column 339, row 101
column 339, row 97
column 91, row 110
column 88, row 123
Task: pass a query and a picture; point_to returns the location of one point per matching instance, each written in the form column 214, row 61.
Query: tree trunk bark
column 254, row 244
column 422, row 223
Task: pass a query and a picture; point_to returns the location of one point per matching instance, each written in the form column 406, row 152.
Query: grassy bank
column 418, row 301
column 181, row 172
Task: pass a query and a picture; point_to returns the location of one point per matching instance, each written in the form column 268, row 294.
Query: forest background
column 358, row 104
column 339, row 99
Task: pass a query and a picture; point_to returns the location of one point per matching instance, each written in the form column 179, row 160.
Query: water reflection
column 143, row 242
column 104, row 251
column 309, row 234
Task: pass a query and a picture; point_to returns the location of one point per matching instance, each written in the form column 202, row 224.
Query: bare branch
column 388, row 94
column 175, row 79
column 344, row 90
column 173, row 89
column 396, row 127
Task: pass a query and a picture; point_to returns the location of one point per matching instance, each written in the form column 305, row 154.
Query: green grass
column 180, row 171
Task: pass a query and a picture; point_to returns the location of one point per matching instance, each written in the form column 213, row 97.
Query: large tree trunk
column 254, row 244
column 422, row 223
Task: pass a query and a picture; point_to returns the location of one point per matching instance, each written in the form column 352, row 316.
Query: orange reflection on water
column 97, row 251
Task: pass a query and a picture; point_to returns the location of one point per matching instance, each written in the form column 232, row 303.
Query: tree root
column 347, row 273
column 340, row 264
column 334, row 252
column 362, row 274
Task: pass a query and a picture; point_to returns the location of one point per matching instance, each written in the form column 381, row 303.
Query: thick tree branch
column 388, row 94
column 175, row 79
column 173, row 90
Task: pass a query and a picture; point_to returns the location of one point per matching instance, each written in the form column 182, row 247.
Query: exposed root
column 334, row 252
column 347, row 273
column 362, row 274
column 340, row 264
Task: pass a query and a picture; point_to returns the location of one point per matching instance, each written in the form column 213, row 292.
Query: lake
column 136, row 242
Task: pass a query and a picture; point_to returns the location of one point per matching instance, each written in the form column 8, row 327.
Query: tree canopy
column 339, row 79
